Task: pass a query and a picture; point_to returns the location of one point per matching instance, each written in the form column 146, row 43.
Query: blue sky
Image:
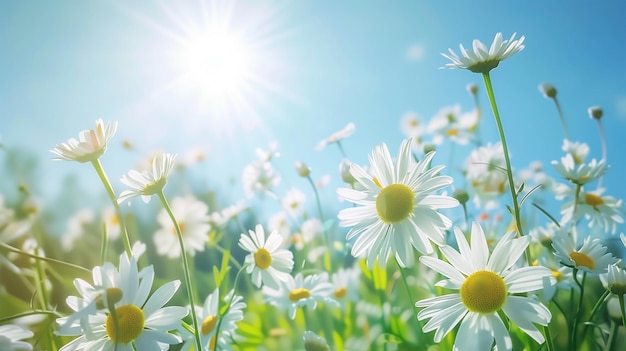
column 317, row 66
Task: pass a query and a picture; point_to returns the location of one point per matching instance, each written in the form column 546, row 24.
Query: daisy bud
column 344, row 169
column 428, row 147
column 313, row 342
column 548, row 90
column 302, row 169
column 616, row 280
column 461, row 195
column 595, row 112
column 472, row 88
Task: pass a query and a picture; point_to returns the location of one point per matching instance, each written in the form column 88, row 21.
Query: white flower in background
column 260, row 178
column 266, row 261
column 300, row 292
column 143, row 323
column 544, row 235
column 337, row 136
column 481, row 59
column 397, row 209
column 486, row 173
column 279, row 222
column 309, row 230
column 450, row 123
column 591, row 256
column 578, row 150
column 601, row 211
column 233, row 211
column 12, row 336
column 293, row 202
column 411, row 125
column 346, row 285
column 91, row 144
column 344, row 170
column 486, row 283
column 580, row 173
column 208, row 319
column 111, row 223
column 77, row 225
column 534, row 175
column 614, row 280
column 147, row 182
column 193, row 220
column 314, row 342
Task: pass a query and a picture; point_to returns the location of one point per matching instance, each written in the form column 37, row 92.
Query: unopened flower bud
column 548, row 90
column 595, row 112
column 472, row 88
column 428, row 147
column 344, row 169
column 302, row 169
column 461, row 195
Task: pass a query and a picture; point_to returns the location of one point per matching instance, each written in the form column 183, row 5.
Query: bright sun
column 216, row 63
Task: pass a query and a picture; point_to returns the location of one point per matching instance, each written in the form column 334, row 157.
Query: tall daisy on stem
column 487, row 284
column 483, row 60
column 150, row 182
column 89, row 147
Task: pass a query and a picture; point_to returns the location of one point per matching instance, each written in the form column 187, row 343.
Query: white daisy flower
column 580, row 173
column 260, row 177
column 485, row 171
column 147, row 182
column 614, row 280
column 91, row 144
column 591, row 256
column 141, row 318
column 266, row 261
column 193, row 221
column 222, row 217
column 309, row 230
column 279, row 222
column 111, row 223
column 77, row 225
column 578, row 150
column 293, row 202
column 481, row 59
column 411, row 125
column 398, row 211
column 450, row 123
column 209, row 318
column 300, row 292
column 11, row 338
column 487, row 284
column 601, row 211
column 337, row 136
column 346, row 285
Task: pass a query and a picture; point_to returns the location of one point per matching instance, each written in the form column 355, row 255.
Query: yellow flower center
column 414, row 123
column 181, row 225
column 593, row 200
column 452, row 132
column 208, row 325
column 130, row 322
column 395, row 203
column 557, row 275
column 483, row 292
column 298, row 294
column 582, row 260
column 340, row 293
column 113, row 295
column 262, row 258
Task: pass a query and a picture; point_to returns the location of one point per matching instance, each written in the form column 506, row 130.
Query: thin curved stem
column 42, row 258
column 118, row 212
column 505, row 149
column 327, row 256
column 561, row 116
column 183, row 255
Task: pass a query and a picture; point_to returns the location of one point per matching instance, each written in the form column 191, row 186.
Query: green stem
column 221, row 315
column 52, row 260
column 343, row 153
column 408, row 293
column 118, row 212
column 328, row 244
column 43, row 295
column 183, row 255
column 574, row 328
column 105, row 244
column 505, row 149
column 549, row 341
column 30, row 313
column 593, row 312
column 621, row 307
column 561, row 116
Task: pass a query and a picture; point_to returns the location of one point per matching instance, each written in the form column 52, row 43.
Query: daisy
column 578, row 150
column 485, row 172
column 337, row 136
column 590, row 257
column 548, row 90
column 487, row 284
column 11, row 337
column 111, row 223
column 147, row 182
column 193, row 221
column 293, row 202
column 260, row 177
column 300, row 292
column 397, row 211
column 481, row 60
column 614, row 280
column 279, row 222
column 266, row 261
column 142, row 320
column 580, row 173
column 77, row 225
column 309, row 230
column 601, row 211
column 450, row 123
column 91, row 144
column 233, row 211
column 209, row 318
column 346, row 285
column 411, row 125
